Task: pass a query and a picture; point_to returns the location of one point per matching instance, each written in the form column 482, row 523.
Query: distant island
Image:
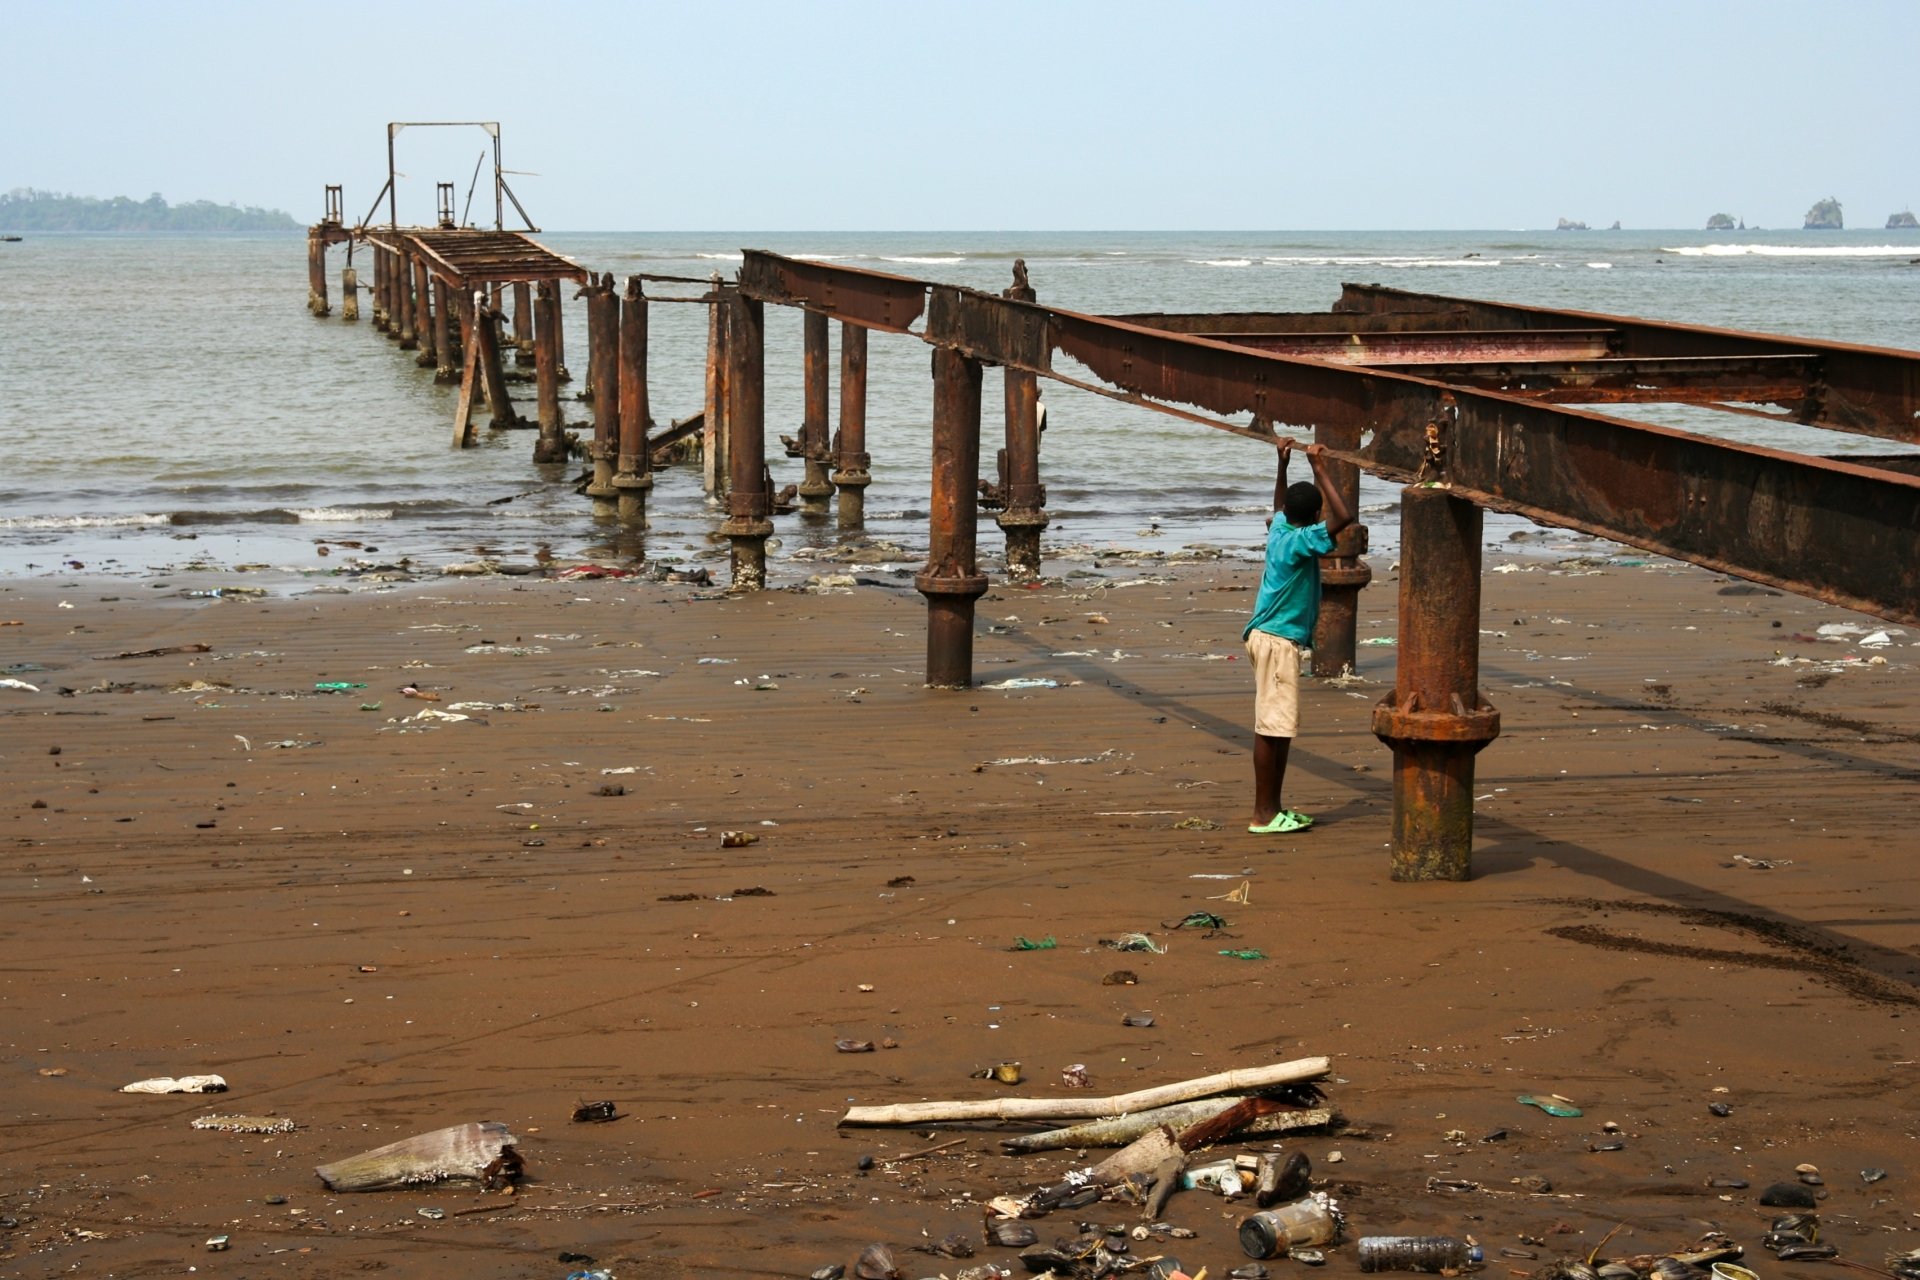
column 25, row 209
column 1903, row 221
column 1569, row 225
column 1825, row 216
column 1720, row 222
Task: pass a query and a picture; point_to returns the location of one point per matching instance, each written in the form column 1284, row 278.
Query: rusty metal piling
column 485, row 332
column 349, row 291
column 633, row 474
column 715, row 467
column 316, row 271
column 443, row 369
column 952, row 581
column 1436, row 720
column 1344, row 573
column 603, row 342
column 748, row 501
column 852, row 467
column 815, row 488
column 423, row 314
column 522, row 322
column 403, row 302
column 551, row 446
column 1023, row 517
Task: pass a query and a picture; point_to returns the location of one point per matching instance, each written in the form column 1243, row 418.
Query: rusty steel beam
column 1783, row 380
column 1866, row 390
column 1829, row 530
column 872, row 299
column 1428, row 347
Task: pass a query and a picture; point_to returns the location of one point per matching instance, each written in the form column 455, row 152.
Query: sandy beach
column 1693, row 885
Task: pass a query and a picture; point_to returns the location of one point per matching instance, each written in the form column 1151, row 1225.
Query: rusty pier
column 1470, row 405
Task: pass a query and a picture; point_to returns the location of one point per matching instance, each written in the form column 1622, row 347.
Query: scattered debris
column 184, row 1084
column 482, row 1153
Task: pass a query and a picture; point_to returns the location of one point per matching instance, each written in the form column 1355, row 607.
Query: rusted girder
column 873, row 299
column 1825, row 529
column 1867, row 390
column 1430, row 347
column 1786, row 380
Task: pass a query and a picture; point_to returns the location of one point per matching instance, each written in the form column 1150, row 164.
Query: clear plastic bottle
column 1417, row 1253
column 1275, row 1232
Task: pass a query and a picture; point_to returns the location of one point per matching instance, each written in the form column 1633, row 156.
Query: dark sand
column 1613, row 947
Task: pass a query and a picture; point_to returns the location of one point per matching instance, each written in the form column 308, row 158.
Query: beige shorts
column 1276, row 676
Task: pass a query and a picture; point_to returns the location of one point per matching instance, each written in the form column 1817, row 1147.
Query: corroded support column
column 316, row 272
column 852, row 467
column 379, row 291
column 1344, row 573
column 349, row 293
column 633, row 474
column 748, row 502
column 423, row 314
column 551, row 446
column 443, row 370
column 403, row 302
column 815, row 487
column 522, row 322
column 714, row 452
column 1024, row 516
column 560, row 332
column 483, row 330
column 952, row 581
column 1436, row 719
column 603, row 342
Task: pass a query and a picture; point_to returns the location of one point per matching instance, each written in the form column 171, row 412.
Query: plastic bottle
column 1417, row 1253
column 1275, row 1232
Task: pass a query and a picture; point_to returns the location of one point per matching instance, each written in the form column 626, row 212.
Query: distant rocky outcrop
column 1720, row 222
column 1566, row 224
column 24, row 209
column 1825, row 216
column 1903, row 221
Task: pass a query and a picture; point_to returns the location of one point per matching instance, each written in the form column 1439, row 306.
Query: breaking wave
column 1795, row 250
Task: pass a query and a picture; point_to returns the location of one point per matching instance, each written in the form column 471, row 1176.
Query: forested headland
column 25, row 209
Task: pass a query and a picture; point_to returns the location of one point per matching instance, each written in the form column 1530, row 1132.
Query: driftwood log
column 1246, row 1080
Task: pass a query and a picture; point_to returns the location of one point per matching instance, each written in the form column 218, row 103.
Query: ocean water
column 169, row 401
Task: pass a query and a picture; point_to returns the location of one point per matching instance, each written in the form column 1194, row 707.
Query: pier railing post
column 748, row 502
column 1024, row 516
column 815, row 487
column 1345, row 572
column 852, row 467
column 633, row 476
column 952, row 581
column 551, row 446
column 1436, row 719
column 603, row 342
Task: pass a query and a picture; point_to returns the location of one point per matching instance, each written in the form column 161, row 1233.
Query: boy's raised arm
column 1339, row 515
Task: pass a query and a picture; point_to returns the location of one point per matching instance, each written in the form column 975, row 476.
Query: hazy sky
column 1026, row 115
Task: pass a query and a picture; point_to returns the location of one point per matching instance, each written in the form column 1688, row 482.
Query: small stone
column 1730, row 1184
column 1609, row 1127
column 1813, row 1180
column 865, row 1162
column 276, row 1200
column 1720, row 1108
column 1785, row 1195
column 1871, row 1176
column 1806, row 1168
column 1333, row 1157
column 1534, row 1184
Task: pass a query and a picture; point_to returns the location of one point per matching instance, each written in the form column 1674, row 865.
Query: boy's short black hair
column 1302, row 506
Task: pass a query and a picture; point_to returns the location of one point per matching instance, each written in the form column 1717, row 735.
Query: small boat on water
column 10, row 239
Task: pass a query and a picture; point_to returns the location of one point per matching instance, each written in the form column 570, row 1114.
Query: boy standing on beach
column 1282, row 626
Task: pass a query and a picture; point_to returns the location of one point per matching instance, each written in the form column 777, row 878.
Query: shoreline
column 214, row 865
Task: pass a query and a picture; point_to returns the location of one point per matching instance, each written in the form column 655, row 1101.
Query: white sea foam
column 1796, row 251
column 722, row 257
column 83, row 522
column 1221, row 262
column 818, row 257
column 339, row 515
column 926, row 262
column 1377, row 260
column 1601, row 266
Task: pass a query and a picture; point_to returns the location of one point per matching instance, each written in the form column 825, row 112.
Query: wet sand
column 378, row 928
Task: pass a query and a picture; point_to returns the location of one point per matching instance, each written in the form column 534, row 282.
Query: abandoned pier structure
column 1469, row 404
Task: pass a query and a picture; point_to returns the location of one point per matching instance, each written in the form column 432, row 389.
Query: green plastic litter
column 1251, row 953
column 1028, row 944
column 339, row 686
column 369, row 706
column 1552, row 1106
column 1201, row 920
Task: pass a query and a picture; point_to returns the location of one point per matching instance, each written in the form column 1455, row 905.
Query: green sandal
column 1284, row 822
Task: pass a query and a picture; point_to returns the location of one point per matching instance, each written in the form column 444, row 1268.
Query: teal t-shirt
column 1289, row 599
